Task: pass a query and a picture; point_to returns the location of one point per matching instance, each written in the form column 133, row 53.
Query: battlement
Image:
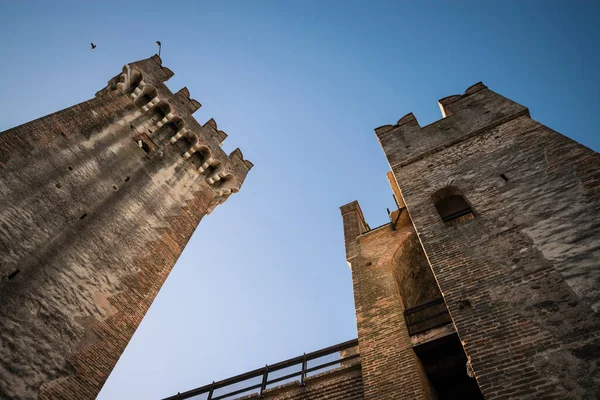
column 169, row 121
column 101, row 197
column 463, row 115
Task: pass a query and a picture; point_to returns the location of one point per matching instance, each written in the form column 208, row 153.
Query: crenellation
column 144, row 81
column 408, row 118
column 183, row 92
column 166, row 110
column 484, row 284
column 212, row 124
column 446, row 101
column 222, row 136
column 100, row 200
column 472, row 113
column 184, row 95
column 507, row 237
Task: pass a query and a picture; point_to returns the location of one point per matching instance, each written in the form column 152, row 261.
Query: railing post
column 263, row 385
column 303, row 370
column 212, row 388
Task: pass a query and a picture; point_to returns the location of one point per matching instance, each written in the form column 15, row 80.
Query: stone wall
column 96, row 204
column 521, row 279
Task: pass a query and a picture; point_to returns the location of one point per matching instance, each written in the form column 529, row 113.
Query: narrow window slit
column 127, row 179
column 115, row 188
column 70, row 168
column 83, row 216
column 13, row 274
column 58, row 185
column 504, row 177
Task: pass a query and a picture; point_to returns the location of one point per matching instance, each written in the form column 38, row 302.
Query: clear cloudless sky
column 299, row 87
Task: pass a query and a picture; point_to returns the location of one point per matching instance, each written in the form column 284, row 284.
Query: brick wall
column 341, row 384
column 521, row 279
column 390, row 368
column 91, row 225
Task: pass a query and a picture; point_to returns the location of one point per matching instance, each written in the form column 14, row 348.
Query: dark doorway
column 445, row 364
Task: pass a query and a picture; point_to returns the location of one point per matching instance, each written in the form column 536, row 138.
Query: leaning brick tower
column 97, row 203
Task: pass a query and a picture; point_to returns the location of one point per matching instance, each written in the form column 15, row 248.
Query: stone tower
column 97, row 203
column 490, row 265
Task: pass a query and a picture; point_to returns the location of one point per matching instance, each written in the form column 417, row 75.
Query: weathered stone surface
column 96, row 205
column 521, row 279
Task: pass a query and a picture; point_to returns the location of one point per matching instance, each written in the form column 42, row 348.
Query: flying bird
column 93, row 46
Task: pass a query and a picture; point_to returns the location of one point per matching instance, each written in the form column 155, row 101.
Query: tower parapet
column 100, row 199
column 464, row 115
column 143, row 81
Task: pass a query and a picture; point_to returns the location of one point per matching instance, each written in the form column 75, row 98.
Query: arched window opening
column 129, row 79
column 167, row 131
column 159, row 111
column 182, row 145
column 145, row 96
column 226, row 185
column 197, row 160
column 135, row 79
column 212, row 170
column 452, row 207
column 200, row 157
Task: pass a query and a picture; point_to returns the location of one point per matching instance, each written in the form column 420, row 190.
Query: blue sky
column 299, row 87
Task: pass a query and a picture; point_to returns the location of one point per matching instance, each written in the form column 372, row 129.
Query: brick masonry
column 91, row 225
column 521, row 280
column 390, row 367
column 340, row 384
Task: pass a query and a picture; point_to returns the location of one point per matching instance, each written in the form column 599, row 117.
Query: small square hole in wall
column 144, row 146
column 13, row 274
column 58, row 185
column 70, row 168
